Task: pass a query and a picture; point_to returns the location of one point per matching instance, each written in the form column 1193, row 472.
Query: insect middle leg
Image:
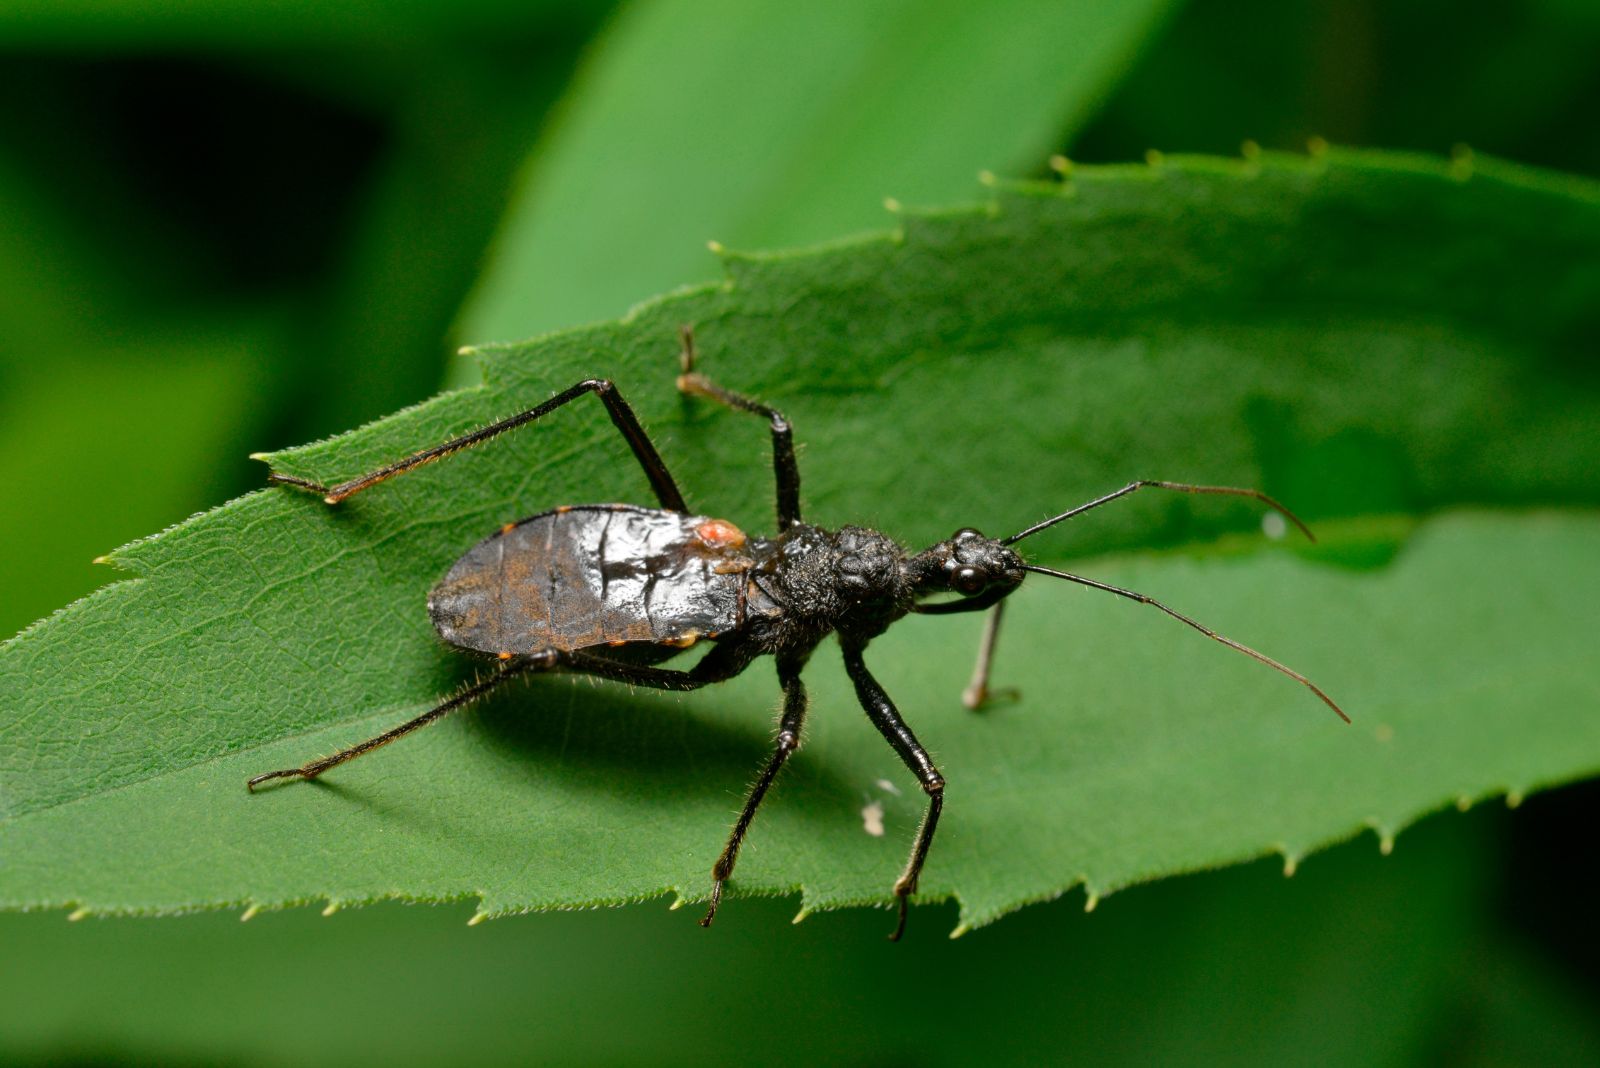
column 720, row 664
column 622, row 416
column 887, row 719
column 794, row 715
column 784, row 467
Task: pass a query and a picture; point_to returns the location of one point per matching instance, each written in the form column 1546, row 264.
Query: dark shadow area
column 215, row 180
column 1515, row 79
column 1547, row 887
column 641, row 736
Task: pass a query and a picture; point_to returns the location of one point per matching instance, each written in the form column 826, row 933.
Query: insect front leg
column 887, row 719
column 622, row 417
column 794, row 714
column 977, row 693
column 784, row 467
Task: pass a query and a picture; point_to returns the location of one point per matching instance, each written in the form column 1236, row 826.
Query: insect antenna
column 1178, row 487
column 1207, row 631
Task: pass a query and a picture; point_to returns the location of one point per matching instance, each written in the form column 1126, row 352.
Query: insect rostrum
column 614, row 590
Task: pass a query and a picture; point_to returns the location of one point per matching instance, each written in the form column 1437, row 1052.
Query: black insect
column 613, row 590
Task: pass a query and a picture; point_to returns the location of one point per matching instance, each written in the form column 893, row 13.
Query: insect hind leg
column 511, row 669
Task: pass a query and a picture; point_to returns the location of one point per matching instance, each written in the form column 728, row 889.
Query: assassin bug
column 614, row 590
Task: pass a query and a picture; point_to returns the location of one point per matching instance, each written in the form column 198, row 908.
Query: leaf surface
column 1382, row 938
column 1388, row 343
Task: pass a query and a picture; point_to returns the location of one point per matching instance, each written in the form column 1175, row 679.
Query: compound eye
column 968, row 580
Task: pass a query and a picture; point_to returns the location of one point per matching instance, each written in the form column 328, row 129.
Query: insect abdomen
column 593, row 576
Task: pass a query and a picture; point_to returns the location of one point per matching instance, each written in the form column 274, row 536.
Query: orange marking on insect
column 682, row 641
column 564, row 509
column 720, row 534
column 504, row 655
column 508, row 528
column 617, row 641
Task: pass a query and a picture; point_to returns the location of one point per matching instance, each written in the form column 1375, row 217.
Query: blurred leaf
column 1376, row 334
column 101, row 422
column 771, row 123
column 53, row 277
column 110, row 425
column 1519, row 1009
column 460, row 128
column 1348, row 963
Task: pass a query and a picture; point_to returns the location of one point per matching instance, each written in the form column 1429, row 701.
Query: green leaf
column 1371, row 337
column 1363, row 962
column 769, row 124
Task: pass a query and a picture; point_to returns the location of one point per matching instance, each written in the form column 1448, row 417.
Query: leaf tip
column 958, row 930
column 892, row 205
column 717, row 247
column 264, row 457
column 1154, row 158
column 1513, row 798
column 801, row 915
column 1061, row 165
column 1250, row 150
column 477, row 918
column 1091, row 901
column 249, row 914
column 988, row 178
column 330, row 908
column 1316, row 147
column 1291, row 864
column 106, row 559
column 77, row 914
column 1461, row 162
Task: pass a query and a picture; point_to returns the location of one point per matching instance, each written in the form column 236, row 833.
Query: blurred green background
column 236, row 226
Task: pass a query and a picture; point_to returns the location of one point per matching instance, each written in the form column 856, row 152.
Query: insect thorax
column 851, row 580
